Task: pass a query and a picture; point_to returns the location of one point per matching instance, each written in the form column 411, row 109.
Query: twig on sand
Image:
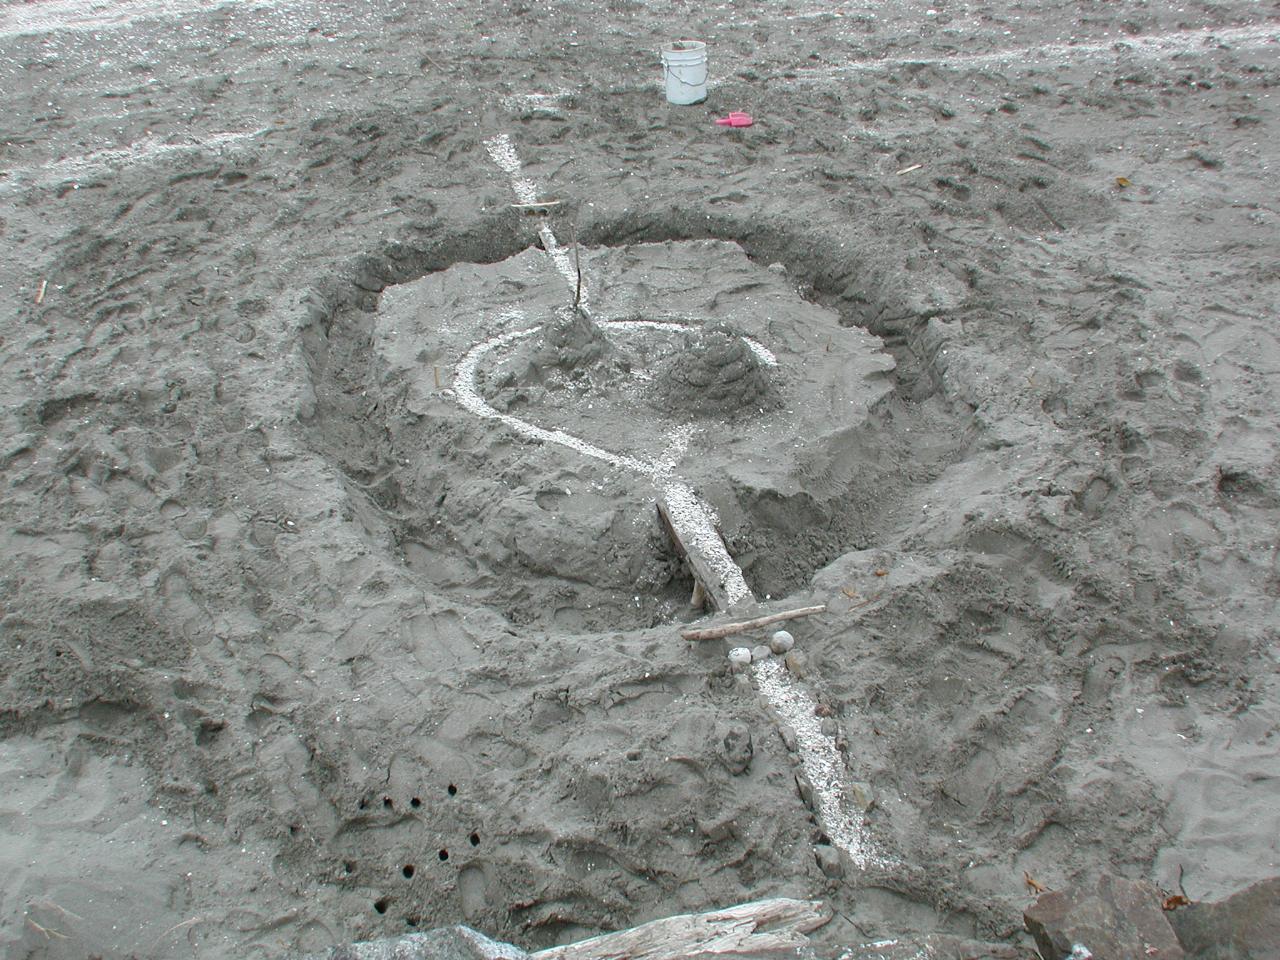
column 535, row 205
column 50, row 905
column 914, row 166
column 46, row 931
column 176, row 927
column 742, row 626
column 44, row 285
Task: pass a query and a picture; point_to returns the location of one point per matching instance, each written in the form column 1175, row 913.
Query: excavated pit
column 510, row 444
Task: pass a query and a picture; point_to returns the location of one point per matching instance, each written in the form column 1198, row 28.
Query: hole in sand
column 381, row 904
column 348, row 866
column 452, row 790
column 407, row 870
column 388, row 803
column 475, row 839
column 443, row 854
column 415, row 802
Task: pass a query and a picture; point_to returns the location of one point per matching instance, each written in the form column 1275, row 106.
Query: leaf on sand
column 1036, row 887
column 1175, row 901
column 1123, row 182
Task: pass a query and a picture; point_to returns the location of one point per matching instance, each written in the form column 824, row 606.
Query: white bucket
column 684, row 64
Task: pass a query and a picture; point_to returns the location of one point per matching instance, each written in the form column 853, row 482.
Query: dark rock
column 738, row 749
column 829, row 861
column 1243, row 926
column 445, row 943
column 1114, row 918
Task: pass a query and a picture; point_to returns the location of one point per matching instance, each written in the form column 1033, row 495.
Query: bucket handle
column 670, row 73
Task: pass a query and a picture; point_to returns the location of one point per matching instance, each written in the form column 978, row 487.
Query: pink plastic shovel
column 736, row 119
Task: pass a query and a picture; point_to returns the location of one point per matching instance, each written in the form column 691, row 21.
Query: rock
column 797, row 664
column 738, row 749
column 445, row 943
column 860, row 795
column 739, row 657
column 1114, row 917
column 805, row 789
column 760, row 653
column 788, row 735
column 716, row 829
column 828, row 727
column 1243, row 926
column 829, row 861
column 781, row 642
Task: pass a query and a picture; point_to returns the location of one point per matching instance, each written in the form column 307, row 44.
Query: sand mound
column 570, row 341
column 714, row 373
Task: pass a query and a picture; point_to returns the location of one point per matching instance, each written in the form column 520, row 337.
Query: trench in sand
column 480, row 515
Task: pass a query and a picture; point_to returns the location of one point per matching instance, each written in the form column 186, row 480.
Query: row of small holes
column 414, row 802
column 408, row 869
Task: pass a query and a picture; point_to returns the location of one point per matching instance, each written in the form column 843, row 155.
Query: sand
column 301, row 645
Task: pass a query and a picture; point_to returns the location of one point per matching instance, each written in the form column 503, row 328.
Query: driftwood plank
column 763, row 928
column 704, row 572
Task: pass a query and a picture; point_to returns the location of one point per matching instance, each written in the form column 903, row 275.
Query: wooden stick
column 539, row 205
column 699, row 598
column 914, row 166
column 764, row 928
column 742, row 626
column 44, row 285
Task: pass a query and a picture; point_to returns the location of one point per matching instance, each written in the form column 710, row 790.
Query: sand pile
column 713, row 372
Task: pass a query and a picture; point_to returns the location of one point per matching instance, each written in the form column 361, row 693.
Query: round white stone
column 781, row 642
column 739, row 656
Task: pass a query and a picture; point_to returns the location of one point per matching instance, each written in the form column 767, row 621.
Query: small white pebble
column 739, row 656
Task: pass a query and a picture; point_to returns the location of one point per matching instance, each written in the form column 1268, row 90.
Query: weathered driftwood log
column 742, row 626
column 704, row 571
column 763, row 928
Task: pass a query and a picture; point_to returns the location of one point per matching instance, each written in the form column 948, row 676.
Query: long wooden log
column 703, row 571
column 763, row 928
column 742, row 626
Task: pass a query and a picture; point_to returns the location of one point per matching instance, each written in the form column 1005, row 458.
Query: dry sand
column 297, row 649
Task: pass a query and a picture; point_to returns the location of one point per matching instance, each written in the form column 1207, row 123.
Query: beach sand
column 300, row 646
